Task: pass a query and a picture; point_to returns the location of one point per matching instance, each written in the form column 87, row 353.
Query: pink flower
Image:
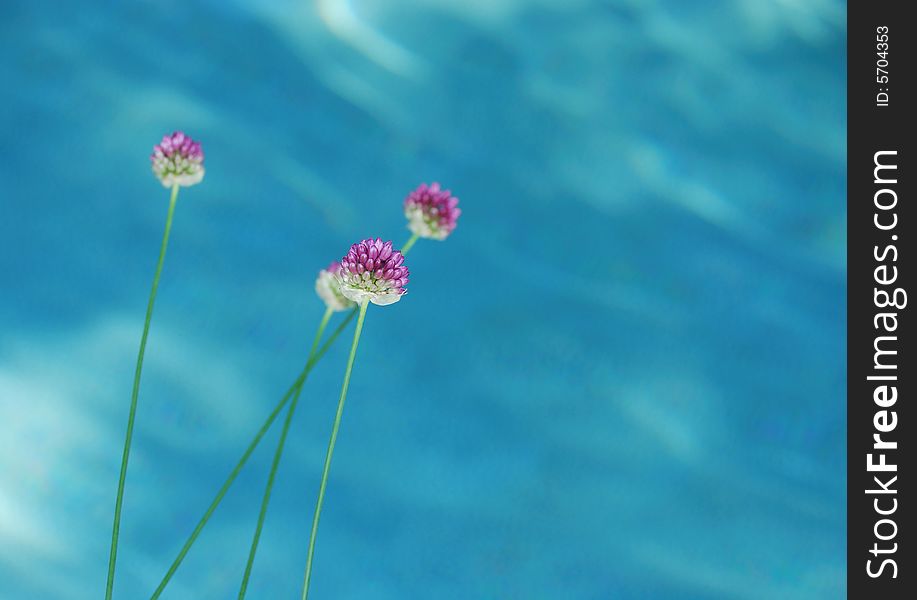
column 178, row 160
column 431, row 212
column 373, row 271
column 328, row 288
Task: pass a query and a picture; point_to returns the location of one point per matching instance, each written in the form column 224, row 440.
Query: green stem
column 409, row 244
column 277, row 454
column 330, row 452
column 116, row 527
column 248, row 452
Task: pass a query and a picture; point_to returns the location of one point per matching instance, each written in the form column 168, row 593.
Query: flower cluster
column 328, row 288
column 372, row 270
column 178, row 160
column 431, row 212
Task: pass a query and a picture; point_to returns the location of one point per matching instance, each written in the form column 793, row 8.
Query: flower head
column 431, row 212
column 374, row 271
column 328, row 288
column 178, row 159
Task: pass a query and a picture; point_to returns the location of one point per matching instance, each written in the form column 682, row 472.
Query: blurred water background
column 622, row 377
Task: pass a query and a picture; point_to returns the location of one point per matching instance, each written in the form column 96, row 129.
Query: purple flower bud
column 328, row 288
column 431, row 212
column 178, row 159
column 380, row 280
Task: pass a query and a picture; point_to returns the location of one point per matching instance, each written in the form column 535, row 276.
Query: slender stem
column 116, row 527
column 330, row 452
column 248, row 452
column 266, row 499
column 409, row 244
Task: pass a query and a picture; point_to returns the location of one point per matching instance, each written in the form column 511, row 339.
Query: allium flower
column 178, row 159
column 431, row 212
column 374, row 271
column 328, row 288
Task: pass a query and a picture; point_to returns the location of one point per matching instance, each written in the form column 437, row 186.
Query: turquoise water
column 623, row 376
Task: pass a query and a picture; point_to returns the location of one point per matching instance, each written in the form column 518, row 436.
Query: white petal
column 385, row 299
